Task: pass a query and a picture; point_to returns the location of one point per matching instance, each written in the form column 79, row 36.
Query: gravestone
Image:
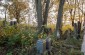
column 13, row 23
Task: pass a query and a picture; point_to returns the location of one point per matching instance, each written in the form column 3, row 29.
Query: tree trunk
column 45, row 15
column 59, row 18
column 79, row 29
column 84, row 22
column 39, row 13
column 18, row 16
column 73, row 23
column 18, row 20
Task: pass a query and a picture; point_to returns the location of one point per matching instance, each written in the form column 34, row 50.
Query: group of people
column 40, row 44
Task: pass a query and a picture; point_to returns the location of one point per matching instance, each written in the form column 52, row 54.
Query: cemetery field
column 42, row 27
column 22, row 41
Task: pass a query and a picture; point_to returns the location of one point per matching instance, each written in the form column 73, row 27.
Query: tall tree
column 59, row 18
column 16, row 8
column 45, row 15
column 39, row 12
column 42, row 18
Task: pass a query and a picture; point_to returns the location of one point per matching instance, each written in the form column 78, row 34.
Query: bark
column 84, row 22
column 42, row 20
column 59, row 18
column 45, row 15
column 79, row 23
column 39, row 12
column 73, row 18
column 18, row 16
column 79, row 29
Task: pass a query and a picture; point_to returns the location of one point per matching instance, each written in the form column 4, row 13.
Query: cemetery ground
column 21, row 40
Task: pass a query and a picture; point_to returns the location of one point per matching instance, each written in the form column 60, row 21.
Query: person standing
column 48, row 42
column 39, row 45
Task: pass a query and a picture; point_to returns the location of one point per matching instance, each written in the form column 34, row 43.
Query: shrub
column 67, row 27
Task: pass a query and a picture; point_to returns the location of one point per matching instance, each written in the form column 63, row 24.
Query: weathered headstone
column 13, row 23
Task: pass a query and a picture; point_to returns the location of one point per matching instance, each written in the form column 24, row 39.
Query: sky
column 2, row 10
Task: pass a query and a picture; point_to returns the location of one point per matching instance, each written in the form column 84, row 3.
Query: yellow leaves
column 20, row 5
column 16, row 8
column 1, row 32
column 68, row 6
column 8, row 31
column 40, row 35
column 52, row 26
column 56, row 2
column 67, row 27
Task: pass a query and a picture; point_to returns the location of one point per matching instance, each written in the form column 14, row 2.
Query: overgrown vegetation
column 16, row 40
column 24, row 19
